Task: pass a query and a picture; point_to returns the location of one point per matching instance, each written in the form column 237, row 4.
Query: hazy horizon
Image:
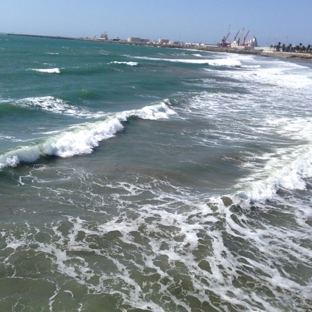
column 181, row 20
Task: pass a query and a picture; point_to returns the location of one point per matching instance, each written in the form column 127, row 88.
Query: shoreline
column 209, row 48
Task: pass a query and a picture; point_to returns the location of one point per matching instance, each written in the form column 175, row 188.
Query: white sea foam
column 229, row 62
column 276, row 73
column 280, row 77
column 47, row 70
column 283, row 168
column 159, row 111
column 81, row 139
column 197, row 55
column 6, row 137
column 57, row 106
column 125, row 63
column 286, row 168
column 159, row 246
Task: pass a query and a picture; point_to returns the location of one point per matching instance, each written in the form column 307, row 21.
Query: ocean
column 138, row 179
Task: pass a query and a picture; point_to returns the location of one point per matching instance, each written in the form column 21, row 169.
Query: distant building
column 253, row 42
column 134, row 39
column 138, row 40
column 104, row 36
column 145, row 41
column 163, row 41
column 175, row 42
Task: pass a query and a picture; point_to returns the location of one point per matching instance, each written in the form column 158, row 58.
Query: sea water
column 152, row 179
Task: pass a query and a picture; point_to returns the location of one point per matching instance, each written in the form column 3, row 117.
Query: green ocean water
column 152, row 179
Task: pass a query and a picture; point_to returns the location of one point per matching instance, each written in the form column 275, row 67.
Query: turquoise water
column 152, row 179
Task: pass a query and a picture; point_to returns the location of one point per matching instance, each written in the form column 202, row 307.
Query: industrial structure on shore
column 138, row 40
column 224, row 43
column 238, row 42
column 135, row 40
column 238, row 45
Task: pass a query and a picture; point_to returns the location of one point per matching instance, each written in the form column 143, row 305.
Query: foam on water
column 282, row 168
column 229, row 62
column 47, row 70
column 197, row 55
column 283, row 74
column 81, row 139
column 125, row 63
column 286, row 168
column 11, row 138
column 57, row 106
column 211, row 254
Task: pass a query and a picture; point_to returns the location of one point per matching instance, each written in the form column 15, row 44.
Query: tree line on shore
column 292, row 48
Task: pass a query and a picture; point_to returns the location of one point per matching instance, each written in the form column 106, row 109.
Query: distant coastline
column 263, row 51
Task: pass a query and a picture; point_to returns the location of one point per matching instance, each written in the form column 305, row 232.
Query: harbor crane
column 236, row 36
column 224, row 42
column 244, row 42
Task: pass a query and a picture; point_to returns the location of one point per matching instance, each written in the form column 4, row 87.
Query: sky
column 205, row 21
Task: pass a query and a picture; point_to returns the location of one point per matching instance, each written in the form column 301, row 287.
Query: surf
column 81, row 139
column 227, row 62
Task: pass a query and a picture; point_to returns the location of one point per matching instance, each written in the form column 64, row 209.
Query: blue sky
column 185, row 20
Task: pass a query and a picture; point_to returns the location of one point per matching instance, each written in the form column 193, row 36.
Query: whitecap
column 57, row 106
column 211, row 62
column 276, row 73
column 197, row 55
column 47, row 70
column 285, row 168
column 125, row 63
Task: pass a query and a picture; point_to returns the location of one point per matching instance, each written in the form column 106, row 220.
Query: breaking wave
column 211, row 62
column 81, row 139
column 286, row 168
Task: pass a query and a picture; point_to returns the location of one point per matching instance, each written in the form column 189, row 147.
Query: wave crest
column 211, row 62
column 125, row 63
column 47, row 70
column 81, row 139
